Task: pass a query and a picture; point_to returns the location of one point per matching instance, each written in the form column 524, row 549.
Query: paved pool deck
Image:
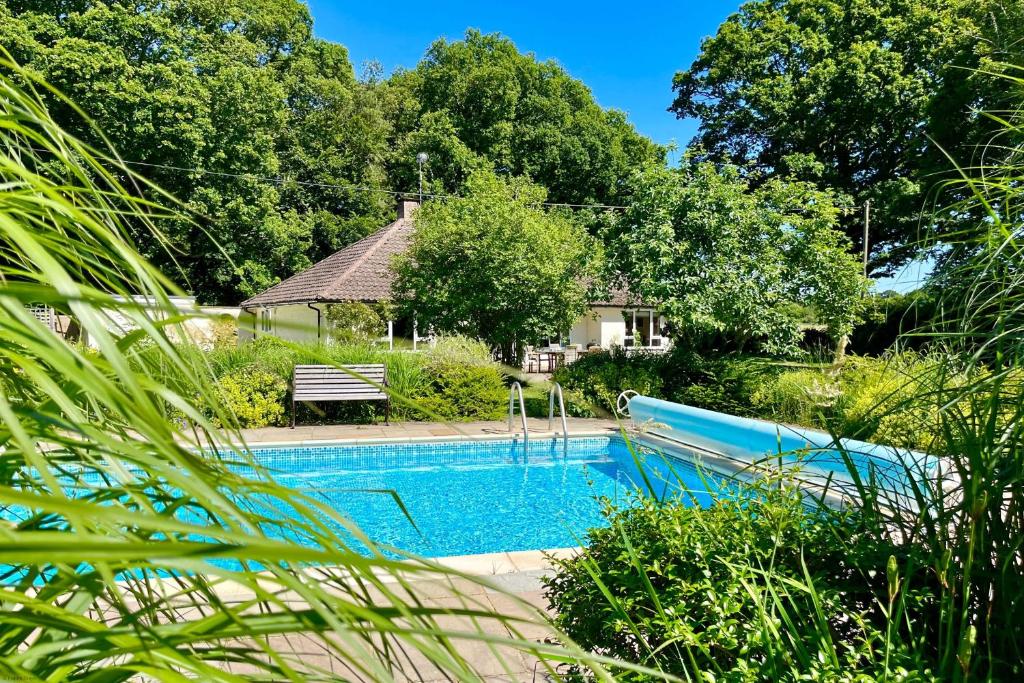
column 508, row 583
column 408, row 431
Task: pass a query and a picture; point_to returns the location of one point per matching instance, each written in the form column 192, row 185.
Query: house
column 361, row 272
column 204, row 325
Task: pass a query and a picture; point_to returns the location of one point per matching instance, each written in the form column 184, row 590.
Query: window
column 265, row 320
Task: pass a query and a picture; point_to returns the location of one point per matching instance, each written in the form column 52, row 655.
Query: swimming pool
column 471, row 497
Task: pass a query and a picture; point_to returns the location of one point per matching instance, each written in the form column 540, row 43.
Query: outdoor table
column 554, row 357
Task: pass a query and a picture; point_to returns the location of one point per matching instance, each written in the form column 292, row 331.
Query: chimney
column 406, row 206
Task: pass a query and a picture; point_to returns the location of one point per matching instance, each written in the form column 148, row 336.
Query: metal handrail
column 516, row 387
column 556, row 387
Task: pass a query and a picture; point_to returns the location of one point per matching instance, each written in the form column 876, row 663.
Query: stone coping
column 511, row 572
column 409, row 432
column 458, row 438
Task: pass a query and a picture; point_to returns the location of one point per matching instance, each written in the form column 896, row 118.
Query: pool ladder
column 516, row 390
column 513, row 390
column 557, row 388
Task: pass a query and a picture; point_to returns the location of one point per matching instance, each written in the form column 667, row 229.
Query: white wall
column 199, row 328
column 581, row 331
column 613, row 327
column 602, row 325
column 295, row 322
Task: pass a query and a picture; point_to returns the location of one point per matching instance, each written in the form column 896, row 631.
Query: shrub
column 803, row 397
column 601, row 377
column 353, row 322
column 753, row 587
column 225, row 332
column 896, row 399
column 576, row 405
column 461, row 382
column 255, row 397
column 680, row 375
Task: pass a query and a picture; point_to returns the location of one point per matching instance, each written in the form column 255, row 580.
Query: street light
column 421, row 159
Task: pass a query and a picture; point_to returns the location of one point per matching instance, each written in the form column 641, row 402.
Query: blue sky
column 626, row 52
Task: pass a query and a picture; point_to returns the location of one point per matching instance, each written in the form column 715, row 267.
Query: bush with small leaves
column 255, row 397
column 754, row 586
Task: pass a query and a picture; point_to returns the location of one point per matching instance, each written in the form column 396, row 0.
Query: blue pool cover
column 818, row 454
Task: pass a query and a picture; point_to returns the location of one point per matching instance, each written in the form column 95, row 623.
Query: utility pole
column 867, row 225
column 421, row 159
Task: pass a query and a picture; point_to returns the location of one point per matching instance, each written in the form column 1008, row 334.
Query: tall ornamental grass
column 127, row 553
column 769, row 584
column 974, row 526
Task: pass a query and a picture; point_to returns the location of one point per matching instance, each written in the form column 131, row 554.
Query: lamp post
column 421, row 159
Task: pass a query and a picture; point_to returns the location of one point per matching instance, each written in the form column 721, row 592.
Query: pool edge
column 356, row 441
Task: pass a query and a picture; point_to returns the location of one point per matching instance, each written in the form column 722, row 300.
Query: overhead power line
column 281, row 180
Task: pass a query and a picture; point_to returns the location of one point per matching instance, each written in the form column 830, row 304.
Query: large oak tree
column 874, row 91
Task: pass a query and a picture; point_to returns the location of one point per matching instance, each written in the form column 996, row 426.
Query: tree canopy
column 281, row 154
column 479, row 101
column 857, row 87
column 495, row 265
column 721, row 256
column 241, row 91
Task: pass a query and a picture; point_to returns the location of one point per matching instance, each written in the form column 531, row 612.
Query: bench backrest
column 328, row 383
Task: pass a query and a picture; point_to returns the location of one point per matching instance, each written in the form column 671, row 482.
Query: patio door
column 644, row 328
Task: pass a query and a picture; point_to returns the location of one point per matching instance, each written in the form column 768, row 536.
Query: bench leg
column 387, row 412
column 293, row 413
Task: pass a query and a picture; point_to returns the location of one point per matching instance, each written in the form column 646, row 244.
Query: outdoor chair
column 530, row 359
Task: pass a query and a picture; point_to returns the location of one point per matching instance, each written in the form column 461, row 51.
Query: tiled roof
column 362, row 272
column 359, row 272
column 620, row 297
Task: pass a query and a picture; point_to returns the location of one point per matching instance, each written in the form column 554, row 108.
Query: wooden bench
column 328, row 383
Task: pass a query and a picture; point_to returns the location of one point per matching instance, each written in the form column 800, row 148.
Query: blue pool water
column 472, row 497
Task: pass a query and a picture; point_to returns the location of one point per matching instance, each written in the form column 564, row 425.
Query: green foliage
column 458, row 388
column 241, row 90
column 537, row 399
column 848, row 94
column 454, row 380
column 291, row 148
column 601, row 377
column 750, row 586
column 721, row 255
column 973, row 397
column 724, row 384
column 493, row 264
column 225, row 332
column 122, row 534
column 891, row 319
column 353, row 322
column 255, row 397
column 480, row 103
column 894, row 400
column 801, row 397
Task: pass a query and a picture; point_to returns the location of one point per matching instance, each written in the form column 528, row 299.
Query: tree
column 858, row 87
column 721, row 256
column 130, row 500
column 280, row 154
column 269, row 115
column 480, row 100
column 494, row 265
